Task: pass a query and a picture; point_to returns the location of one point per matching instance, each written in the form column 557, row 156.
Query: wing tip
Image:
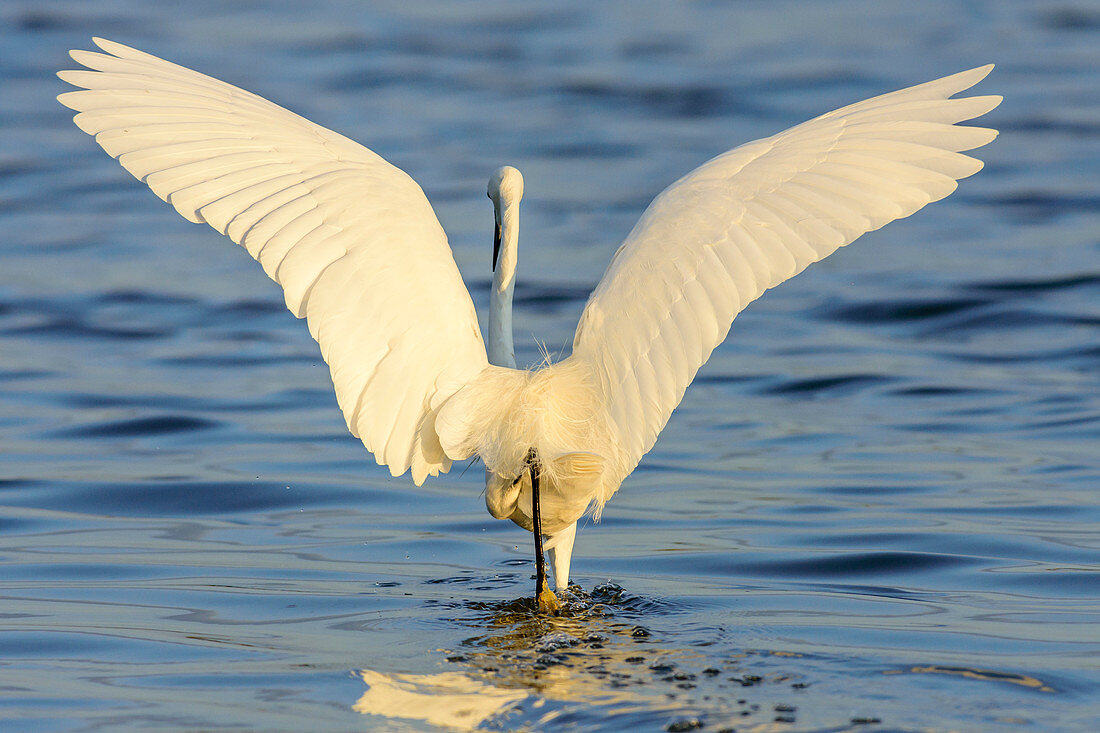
column 969, row 77
column 67, row 99
column 984, row 104
column 981, row 72
column 74, row 54
column 111, row 47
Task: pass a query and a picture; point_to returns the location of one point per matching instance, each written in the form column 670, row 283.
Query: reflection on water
column 445, row 699
column 523, row 670
column 983, row 674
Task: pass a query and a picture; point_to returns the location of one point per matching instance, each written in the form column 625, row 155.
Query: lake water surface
column 876, row 509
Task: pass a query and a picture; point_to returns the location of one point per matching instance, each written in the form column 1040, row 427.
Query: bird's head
column 506, row 187
column 505, row 191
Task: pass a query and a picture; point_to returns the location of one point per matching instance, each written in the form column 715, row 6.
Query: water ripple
column 138, row 427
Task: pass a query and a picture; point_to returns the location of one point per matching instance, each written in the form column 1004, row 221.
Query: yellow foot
column 548, row 602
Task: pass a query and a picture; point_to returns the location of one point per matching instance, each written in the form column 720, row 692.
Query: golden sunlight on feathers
column 360, row 255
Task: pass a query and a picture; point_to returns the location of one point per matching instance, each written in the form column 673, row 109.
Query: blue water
column 876, row 509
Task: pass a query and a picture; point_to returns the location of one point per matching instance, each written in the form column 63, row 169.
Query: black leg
column 536, row 517
column 545, row 598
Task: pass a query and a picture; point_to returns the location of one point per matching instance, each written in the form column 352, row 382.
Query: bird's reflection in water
column 446, row 700
column 596, row 666
column 525, row 668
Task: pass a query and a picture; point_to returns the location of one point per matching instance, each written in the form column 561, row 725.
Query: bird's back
column 554, row 409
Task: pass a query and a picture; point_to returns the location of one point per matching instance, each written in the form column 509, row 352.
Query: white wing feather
column 351, row 239
column 751, row 218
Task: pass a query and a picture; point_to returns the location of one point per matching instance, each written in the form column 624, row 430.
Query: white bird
column 360, row 255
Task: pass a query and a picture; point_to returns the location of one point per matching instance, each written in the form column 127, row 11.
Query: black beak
column 496, row 246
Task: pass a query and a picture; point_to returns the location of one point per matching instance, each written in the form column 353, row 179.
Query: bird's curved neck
column 501, row 350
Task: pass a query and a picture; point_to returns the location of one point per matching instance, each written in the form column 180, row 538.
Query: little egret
column 360, row 255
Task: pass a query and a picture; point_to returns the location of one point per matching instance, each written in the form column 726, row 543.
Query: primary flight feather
column 360, row 255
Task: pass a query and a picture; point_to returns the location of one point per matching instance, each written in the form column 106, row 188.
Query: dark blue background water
column 879, row 501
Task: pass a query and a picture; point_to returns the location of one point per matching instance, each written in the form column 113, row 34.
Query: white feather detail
column 350, row 238
column 360, row 254
column 746, row 221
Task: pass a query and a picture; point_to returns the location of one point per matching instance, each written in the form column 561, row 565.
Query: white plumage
column 359, row 253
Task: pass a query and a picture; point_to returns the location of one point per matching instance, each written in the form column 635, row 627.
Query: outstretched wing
column 751, row 218
column 350, row 238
